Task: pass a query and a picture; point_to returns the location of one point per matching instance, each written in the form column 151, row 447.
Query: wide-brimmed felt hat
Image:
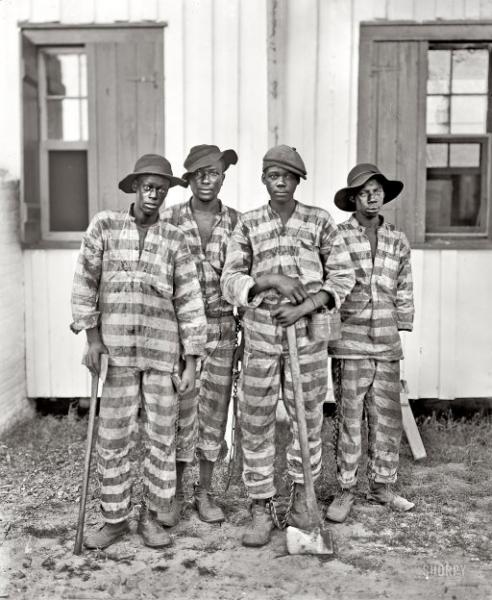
column 205, row 155
column 287, row 158
column 150, row 164
column 359, row 176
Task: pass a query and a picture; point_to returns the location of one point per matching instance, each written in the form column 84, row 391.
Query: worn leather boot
column 153, row 534
column 170, row 517
column 340, row 506
column 208, row 510
column 108, row 534
column 261, row 528
column 382, row 493
column 298, row 516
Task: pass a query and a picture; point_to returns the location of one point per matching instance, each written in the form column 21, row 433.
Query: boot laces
column 345, row 495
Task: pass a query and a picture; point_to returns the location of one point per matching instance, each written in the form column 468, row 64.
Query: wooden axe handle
column 88, row 452
column 301, row 426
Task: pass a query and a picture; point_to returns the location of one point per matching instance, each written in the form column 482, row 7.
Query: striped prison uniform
column 366, row 367
column 309, row 248
column 148, row 308
column 203, row 413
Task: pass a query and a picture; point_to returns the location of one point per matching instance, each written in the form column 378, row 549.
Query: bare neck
column 284, row 209
column 212, row 207
column 365, row 221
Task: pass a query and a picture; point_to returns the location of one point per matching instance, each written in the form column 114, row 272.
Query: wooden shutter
column 391, row 124
column 30, row 207
column 127, row 110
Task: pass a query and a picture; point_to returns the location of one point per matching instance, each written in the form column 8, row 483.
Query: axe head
column 317, row 541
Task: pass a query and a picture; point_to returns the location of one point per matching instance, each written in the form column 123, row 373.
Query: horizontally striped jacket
column 208, row 262
column 149, row 308
column 381, row 302
column 308, row 248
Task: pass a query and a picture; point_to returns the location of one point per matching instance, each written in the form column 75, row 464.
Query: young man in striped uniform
column 366, row 363
column 285, row 261
column 137, row 296
column 207, row 224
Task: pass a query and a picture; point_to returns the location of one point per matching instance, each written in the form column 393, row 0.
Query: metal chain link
column 337, row 392
column 282, row 523
column 235, row 384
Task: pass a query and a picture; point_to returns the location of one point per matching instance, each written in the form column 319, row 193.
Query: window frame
column 442, row 32
column 46, row 145
column 34, row 183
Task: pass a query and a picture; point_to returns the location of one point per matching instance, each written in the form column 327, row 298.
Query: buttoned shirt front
column 148, row 306
column 381, row 302
column 308, row 248
column 209, row 261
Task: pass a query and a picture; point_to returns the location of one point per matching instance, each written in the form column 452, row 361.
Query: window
column 64, row 139
column 457, row 144
column 92, row 103
column 425, row 116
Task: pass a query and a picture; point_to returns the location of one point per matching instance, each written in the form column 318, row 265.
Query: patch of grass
column 41, row 464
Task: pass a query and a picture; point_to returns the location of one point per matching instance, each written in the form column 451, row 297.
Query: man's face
column 205, row 184
column 369, row 199
column 280, row 184
column 150, row 192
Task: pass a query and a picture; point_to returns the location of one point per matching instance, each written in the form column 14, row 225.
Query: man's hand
column 93, row 356
column 287, row 314
column 291, row 288
column 188, row 375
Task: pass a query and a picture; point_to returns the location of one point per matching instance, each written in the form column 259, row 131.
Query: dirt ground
column 442, row 549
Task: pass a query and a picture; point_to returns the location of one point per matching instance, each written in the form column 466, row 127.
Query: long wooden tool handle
column 301, row 425
column 87, row 466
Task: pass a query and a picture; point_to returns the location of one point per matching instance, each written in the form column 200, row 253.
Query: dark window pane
column 437, row 114
column 69, row 203
column 439, row 71
column 464, row 155
column 437, row 155
column 470, row 71
column 453, row 200
column 66, row 74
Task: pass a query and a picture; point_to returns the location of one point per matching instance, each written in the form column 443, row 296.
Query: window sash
column 453, row 34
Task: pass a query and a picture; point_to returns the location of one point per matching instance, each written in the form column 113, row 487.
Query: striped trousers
column 122, row 391
column 203, row 414
column 263, row 377
column 372, row 386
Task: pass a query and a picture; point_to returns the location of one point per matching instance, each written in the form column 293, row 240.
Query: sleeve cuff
column 326, row 287
column 243, row 297
column 87, row 322
column 193, row 349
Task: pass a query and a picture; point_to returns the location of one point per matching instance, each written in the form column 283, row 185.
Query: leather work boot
column 208, row 510
column 382, row 493
column 108, row 534
column 153, row 534
column 298, row 516
column 261, row 528
column 171, row 516
column 340, row 506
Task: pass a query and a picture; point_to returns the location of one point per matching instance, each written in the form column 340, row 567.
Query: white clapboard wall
column 217, row 90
